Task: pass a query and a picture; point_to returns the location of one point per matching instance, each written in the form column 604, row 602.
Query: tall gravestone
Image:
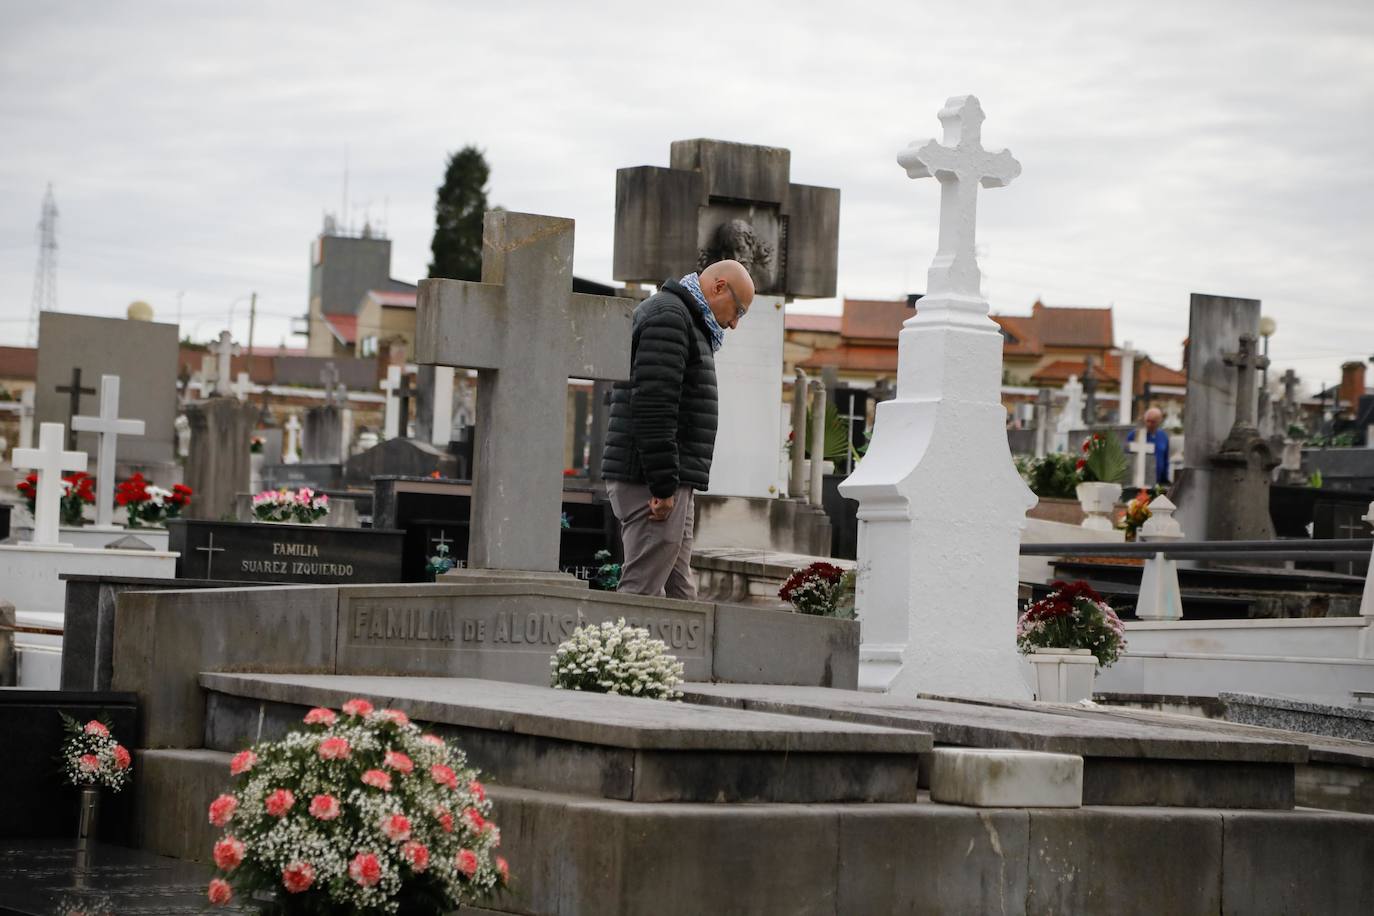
column 1215, row 324
column 143, row 354
column 218, row 467
column 1242, row 465
column 941, row 506
column 721, row 200
column 525, row 332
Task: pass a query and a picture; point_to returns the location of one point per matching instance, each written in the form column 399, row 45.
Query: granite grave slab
column 627, row 748
column 1124, row 762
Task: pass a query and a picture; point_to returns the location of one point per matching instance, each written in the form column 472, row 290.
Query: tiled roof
column 395, row 298
column 1072, row 327
column 343, row 327
column 874, row 319
column 1146, row 370
column 19, row 362
column 829, row 324
column 853, row 359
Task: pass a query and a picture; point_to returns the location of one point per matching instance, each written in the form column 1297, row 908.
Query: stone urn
column 1098, row 500
column 1063, row 675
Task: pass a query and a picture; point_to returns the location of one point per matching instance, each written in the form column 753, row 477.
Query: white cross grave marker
column 49, row 460
column 242, row 386
column 391, row 418
column 110, row 427
column 293, row 429
column 224, row 348
column 938, row 558
column 1071, row 416
column 1141, row 447
column 527, row 333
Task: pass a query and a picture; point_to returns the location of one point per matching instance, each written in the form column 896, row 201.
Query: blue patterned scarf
column 693, row 285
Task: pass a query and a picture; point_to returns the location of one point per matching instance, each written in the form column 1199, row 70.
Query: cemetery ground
column 813, row 764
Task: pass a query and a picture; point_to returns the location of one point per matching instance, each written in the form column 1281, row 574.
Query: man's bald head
column 729, row 291
column 1153, row 417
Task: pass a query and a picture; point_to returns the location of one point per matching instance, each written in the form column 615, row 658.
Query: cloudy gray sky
column 1167, row 147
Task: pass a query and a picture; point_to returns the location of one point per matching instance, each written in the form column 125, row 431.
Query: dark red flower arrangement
column 816, row 589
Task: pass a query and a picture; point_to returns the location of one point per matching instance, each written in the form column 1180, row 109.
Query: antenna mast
column 45, row 274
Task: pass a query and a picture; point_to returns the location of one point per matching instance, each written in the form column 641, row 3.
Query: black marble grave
column 35, row 801
column 401, row 457
column 5, row 509
column 295, row 476
column 285, row 554
column 434, row 511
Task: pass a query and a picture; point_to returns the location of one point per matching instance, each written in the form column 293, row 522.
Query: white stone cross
column 960, row 164
column 527, row 333
column 242, row 386
column 1070, row 415
column 938, row 559
column 110, row 427
column 1140, row 446
column 293, row 429
column 49, row 460
column 391, row 418
column 223, row 349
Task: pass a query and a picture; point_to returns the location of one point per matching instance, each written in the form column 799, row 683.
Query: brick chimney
column 1352, row 383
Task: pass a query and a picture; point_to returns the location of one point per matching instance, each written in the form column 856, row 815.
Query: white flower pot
column 1098, row 500
column 1063, row 675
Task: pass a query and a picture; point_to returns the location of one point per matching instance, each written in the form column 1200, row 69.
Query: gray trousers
column 658, row 555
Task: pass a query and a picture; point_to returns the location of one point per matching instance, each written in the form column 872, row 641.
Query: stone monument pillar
column 938, row 555
column 733, row 200
column 218, row 466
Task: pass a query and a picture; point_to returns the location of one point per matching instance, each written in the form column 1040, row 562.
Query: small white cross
column 223, row 349
column 960, row 164
column 110, row 427
column 293, row 428
column 242, row 386
column 391, row 424
column 49, row 460
column 1140, row 446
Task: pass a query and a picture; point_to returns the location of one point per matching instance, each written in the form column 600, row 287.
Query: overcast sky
column 1166, row 148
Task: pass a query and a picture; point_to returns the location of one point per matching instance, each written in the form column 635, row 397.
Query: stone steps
column 622, row 748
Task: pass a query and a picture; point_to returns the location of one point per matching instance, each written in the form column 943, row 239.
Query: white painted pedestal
column 1063, row 675
column 1098, row 500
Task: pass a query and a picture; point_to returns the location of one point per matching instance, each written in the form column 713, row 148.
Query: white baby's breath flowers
column 616, row 658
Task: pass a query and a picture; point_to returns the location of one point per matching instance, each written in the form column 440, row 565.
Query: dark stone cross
column 1089, row 393
column 210, row 550
column 329, row 378
column 405, row 393
column 74, row 392
column 1246, row 362
column 526, row 333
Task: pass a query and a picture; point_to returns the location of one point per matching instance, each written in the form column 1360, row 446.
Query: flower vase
column 1098, row 500
column 1063, row 675
column 88, row 820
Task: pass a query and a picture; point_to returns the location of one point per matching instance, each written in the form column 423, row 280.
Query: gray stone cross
column 961, row 165
column 525, row 332
column 1290, row 387
column 1246, row 363
column 329, row 378
column 224, row 349
column 74, row 391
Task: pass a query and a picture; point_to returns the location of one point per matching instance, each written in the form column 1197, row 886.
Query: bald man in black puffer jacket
column 662, row 431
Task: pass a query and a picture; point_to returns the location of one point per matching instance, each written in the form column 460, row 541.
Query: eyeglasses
column 740, row 311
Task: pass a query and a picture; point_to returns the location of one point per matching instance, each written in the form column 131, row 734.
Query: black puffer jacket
column 662, row 428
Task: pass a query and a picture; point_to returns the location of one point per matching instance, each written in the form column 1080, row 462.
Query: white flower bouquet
column 359, row 812
column 303, row 507
column 616, row 658
column 92, row 757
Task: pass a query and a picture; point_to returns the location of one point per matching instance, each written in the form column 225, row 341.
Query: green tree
column 458, row 212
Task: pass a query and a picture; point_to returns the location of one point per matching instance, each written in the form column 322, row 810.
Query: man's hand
column 660, row 509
